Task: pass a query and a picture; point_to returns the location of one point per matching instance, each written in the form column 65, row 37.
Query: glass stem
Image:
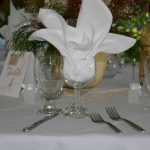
column 77, row 98
column 49, row 104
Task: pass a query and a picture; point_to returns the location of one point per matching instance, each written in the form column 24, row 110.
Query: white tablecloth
column 77, row 134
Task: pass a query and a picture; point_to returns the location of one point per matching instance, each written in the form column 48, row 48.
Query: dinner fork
column 114, row 115
column 95, row 117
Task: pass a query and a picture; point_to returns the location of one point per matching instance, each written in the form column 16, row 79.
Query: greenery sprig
column 133, row 28
column 21, row 43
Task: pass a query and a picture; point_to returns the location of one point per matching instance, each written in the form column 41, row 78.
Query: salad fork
column 95, row 117
column 114, row 115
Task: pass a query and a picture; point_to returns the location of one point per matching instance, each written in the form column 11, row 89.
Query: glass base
column 73, row 112
column 49, row 111
column 49, row 108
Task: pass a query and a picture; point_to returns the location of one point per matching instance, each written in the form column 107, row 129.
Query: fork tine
column 109, row 112
column 99, row 117
column 92, row 116
column 115, row 112
column 134, row 125
column 96, row 117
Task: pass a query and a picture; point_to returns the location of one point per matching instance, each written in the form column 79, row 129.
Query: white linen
column 70, row 134
column 95, row 142
column 63, row 133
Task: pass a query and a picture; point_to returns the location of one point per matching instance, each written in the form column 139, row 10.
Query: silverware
column 95, row 117
column 37, row 123
column 113, row 114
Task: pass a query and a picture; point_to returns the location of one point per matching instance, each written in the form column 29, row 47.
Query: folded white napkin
column 89, row 37
column 79, row 70
column 15, row 21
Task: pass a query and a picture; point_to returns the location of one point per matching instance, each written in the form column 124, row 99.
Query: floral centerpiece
column 67, row 8
column 129, row 17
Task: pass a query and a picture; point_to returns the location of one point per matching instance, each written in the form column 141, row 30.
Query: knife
column 37, row 123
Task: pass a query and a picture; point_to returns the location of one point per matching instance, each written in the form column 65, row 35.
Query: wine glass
column 48, row 73
column 78, row 72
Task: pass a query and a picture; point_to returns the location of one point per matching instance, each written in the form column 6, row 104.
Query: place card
column 14, row 72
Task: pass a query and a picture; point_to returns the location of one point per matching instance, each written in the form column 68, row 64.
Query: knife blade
column 37, row 123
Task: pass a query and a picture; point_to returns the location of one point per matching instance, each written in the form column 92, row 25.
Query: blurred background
column 4, row 9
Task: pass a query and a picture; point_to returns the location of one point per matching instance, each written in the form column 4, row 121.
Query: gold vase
column 145, row 50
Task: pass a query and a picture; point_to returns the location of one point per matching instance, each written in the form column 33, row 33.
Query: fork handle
column 135, row 126
column 117, row 130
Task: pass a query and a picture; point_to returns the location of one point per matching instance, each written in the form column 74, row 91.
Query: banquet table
column 62, row 133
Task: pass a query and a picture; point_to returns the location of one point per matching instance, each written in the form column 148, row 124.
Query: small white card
column 14, row 72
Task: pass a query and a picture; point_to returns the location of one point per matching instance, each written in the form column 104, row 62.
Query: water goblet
column 48, row 73
column 78, row 72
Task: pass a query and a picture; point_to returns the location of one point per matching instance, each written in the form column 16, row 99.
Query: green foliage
column 59, row 6
column 133, row 28
column 20, row 40
column 133, row 54
column 129, row 19
column 21, row 43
